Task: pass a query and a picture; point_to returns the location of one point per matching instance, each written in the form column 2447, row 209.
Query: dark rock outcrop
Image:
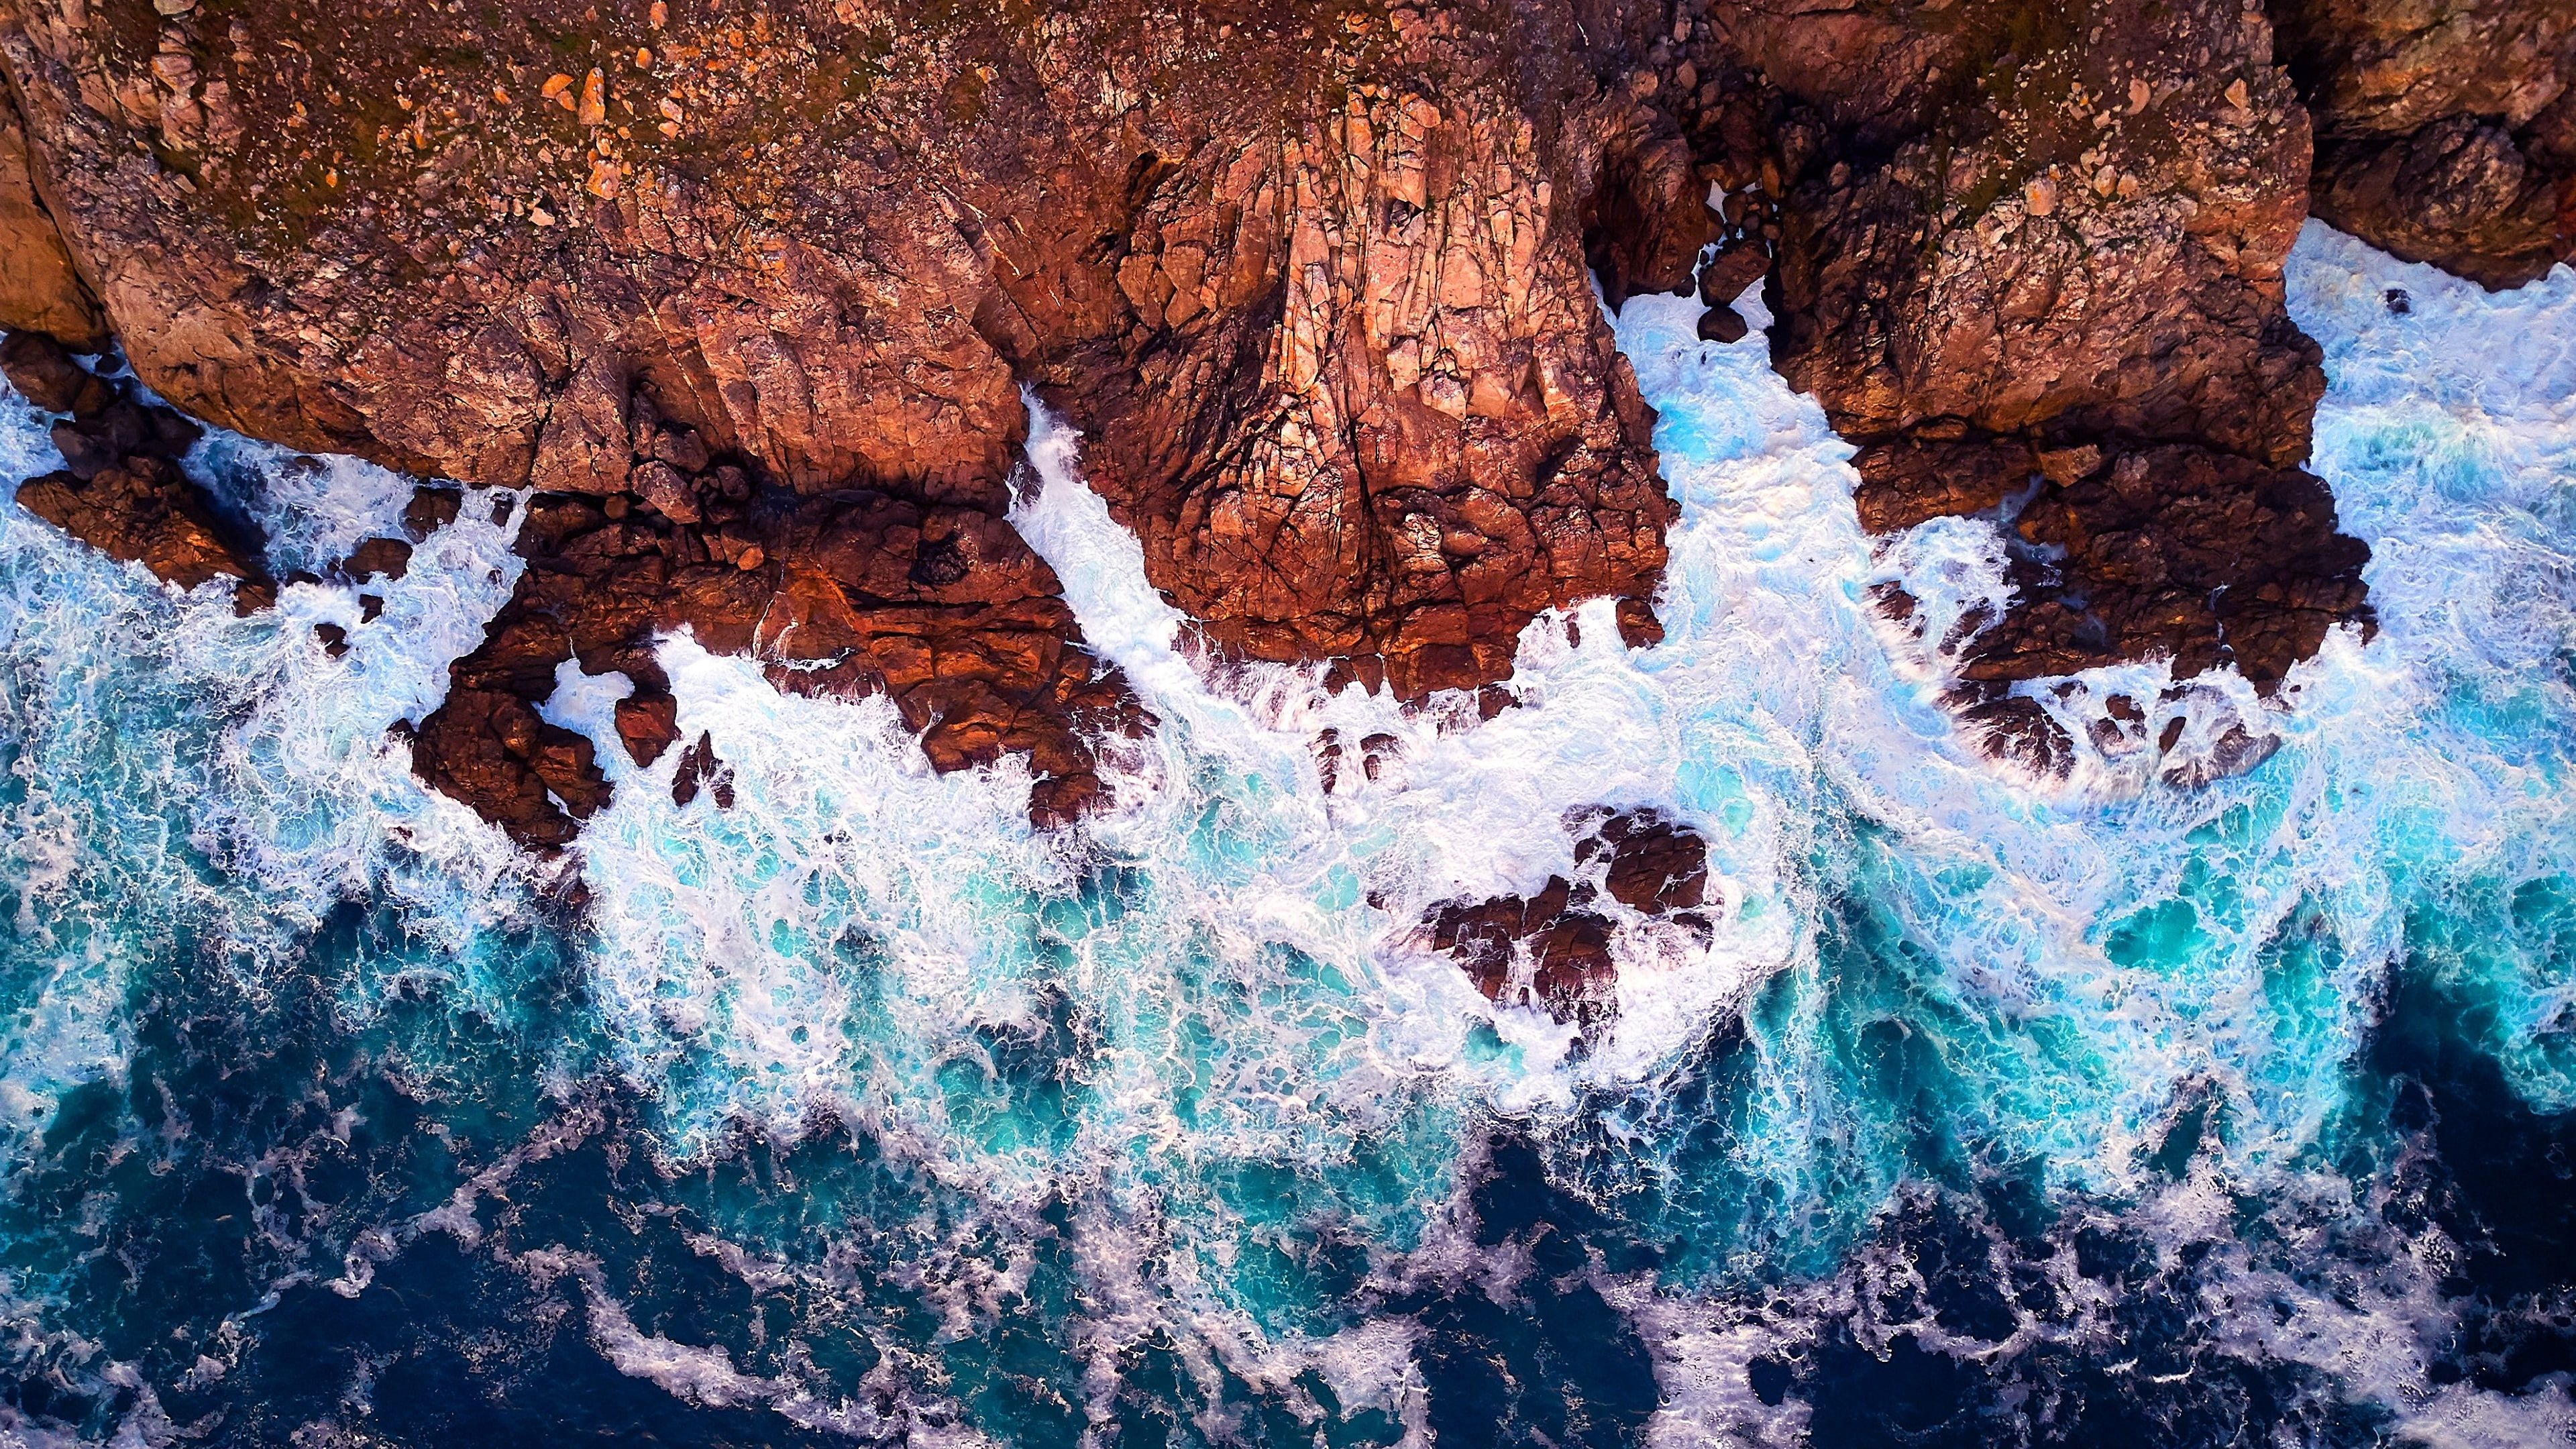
column 1551, row 950
column 2031, row 263
column 846, row 593
column 122, row 490
column 2446, row 133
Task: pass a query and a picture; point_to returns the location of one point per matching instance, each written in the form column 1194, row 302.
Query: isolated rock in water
column 1649, row 864
column 648, row 722
column 1546, row 951
column 845, row 593
column 431, row 508
column 1552, row 950
column 1722, row 324
column 700, row 768
column 40, row 289
column 386, row 557
column 2444, row 135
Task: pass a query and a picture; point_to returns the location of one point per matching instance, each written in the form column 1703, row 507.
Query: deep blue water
column 2104, row 1111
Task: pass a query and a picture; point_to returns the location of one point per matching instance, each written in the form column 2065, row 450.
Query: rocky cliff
column 2445, row 133
column 748, row 291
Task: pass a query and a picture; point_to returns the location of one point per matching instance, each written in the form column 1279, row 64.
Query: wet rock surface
column 122, row 490
column 1321, row 287
column 1552, row 950
column 845, row 593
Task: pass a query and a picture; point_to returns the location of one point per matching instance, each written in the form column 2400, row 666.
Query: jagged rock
column 2178, row 552
column 491, row 750
column 1318, row 288
column 2458, row 193
column 700, row 768
column 431, row 508
column 1722, row 324
column 1323, row 305
column 1546, row 951
column 649, row 723
column 2445, row 134
column 1650, row 864
column 123, row 492
column 2023, row 254
column 845, row 593
column 145, row 510
column 1552, row 949
column 1994, row 278
column 40, row 288
column 45, row 374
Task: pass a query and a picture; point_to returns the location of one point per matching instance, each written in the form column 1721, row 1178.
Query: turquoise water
column 1998, row 1109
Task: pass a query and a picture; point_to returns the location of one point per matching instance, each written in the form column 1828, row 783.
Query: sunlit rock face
column 2444, row 134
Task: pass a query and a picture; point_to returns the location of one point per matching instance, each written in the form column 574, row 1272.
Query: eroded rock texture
column 1552, row 950
column 2445, row 133
column 1349, row 381
column 1313, row 277
column 1317, row 281
column 39, row 289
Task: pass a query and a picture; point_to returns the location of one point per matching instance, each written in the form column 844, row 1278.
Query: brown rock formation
column 1552, row 950
column 40, row 291
column 1348, row 382
column 1316, row 281
column 847, row 592
column 122, row 491
column 1312, row 277
column 2445, row 133
column 2035, row 255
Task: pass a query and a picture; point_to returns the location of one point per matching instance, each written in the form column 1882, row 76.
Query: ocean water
column 2136, row 1107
